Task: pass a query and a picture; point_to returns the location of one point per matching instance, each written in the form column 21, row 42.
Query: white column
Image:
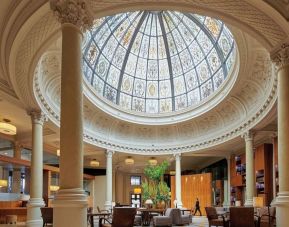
column 250, row 173
column 178, row 181
column 227, row 185
column 70, row 204
column 36, row 181
column 281, row 59
column 273, row 166
column 108, row 198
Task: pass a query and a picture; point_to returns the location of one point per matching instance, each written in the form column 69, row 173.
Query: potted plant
column 154, row 187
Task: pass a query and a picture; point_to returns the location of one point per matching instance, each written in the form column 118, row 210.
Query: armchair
column 165, row 220
column 215, row 219
column 47, row 215
column 122, row 217
column 179, row 219
column 266, row 216
column 242, row 216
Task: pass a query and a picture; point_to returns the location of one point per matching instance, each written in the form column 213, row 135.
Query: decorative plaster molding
column 282, row 6
column 75, row 12
column 281, row 57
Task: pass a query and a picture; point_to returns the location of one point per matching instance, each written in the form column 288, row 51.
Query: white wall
column 99, row 191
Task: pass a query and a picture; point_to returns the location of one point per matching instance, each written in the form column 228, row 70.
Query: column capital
column 37, row 117
column 74, row 12
column 281, row 57
column 177, row 156
column 109, row 153
column 248, row 136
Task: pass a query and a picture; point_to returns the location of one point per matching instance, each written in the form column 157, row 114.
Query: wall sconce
column 54, row 188
column 172, row 172
column 58, row 152
column 3, row 183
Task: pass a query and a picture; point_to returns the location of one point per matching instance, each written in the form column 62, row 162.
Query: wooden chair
column 122, row 217
column 242, row 216
column 47, row 215
column 215, row 219
column 266, row 217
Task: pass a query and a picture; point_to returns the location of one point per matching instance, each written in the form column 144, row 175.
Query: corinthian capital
column 74, row 12
column 248, row 135
column 37, row 117
column 281, row 57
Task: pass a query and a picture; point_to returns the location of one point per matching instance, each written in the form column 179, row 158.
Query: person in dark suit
column 197, row 207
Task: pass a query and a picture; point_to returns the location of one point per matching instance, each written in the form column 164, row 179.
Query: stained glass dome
column 157, row 61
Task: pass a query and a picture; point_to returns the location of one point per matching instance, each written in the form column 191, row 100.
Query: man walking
column 197, row 207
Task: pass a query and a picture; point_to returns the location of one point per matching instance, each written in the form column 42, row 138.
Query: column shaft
column 250, row 173
column 282, row 201
column 178, row 181
column 36, row 172
column 108, row 180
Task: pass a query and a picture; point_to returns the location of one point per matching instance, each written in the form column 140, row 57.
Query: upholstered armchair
column 165, row 220
column 122, row 217
column 180, row 219
column 214, row 219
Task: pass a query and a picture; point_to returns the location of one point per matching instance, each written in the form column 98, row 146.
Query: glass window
column 157, row 61
column 135, row 180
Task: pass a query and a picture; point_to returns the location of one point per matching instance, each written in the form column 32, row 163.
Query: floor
column 197, row 222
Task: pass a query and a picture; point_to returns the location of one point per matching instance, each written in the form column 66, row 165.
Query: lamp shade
column 3, row 183
column 7, row 128
column 94, row 163
column 153, row 161
column 54, row 188
column 258, row 201
column 129, row 161
column 137, row 190
column 148, row 202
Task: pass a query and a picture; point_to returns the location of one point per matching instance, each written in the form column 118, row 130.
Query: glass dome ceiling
column 157, row 61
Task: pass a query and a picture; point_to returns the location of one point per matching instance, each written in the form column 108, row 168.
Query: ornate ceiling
column 30, row 69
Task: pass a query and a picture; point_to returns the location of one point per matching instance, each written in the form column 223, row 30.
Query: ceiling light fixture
column 129, row 161
column 137, row 190
column 94, row 163
column 7, row 128
column 152, row 161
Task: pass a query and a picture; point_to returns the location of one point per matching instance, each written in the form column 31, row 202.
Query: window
column 135, row 180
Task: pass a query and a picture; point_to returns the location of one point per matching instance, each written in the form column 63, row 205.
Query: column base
column 248, row 203
column 108, row 205
column 34, row 217
column 226, row 204
column 179, row 204
column 70, row 208
column 282, row 208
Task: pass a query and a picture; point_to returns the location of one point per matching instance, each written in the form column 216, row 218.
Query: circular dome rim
column 224, row 67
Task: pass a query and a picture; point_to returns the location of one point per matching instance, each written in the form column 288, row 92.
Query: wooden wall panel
column 194, row 186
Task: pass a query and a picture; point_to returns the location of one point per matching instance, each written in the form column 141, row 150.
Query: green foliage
column 155, row 188
column 156, row 172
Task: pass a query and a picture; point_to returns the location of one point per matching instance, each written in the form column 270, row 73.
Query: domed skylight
column 157, row 61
